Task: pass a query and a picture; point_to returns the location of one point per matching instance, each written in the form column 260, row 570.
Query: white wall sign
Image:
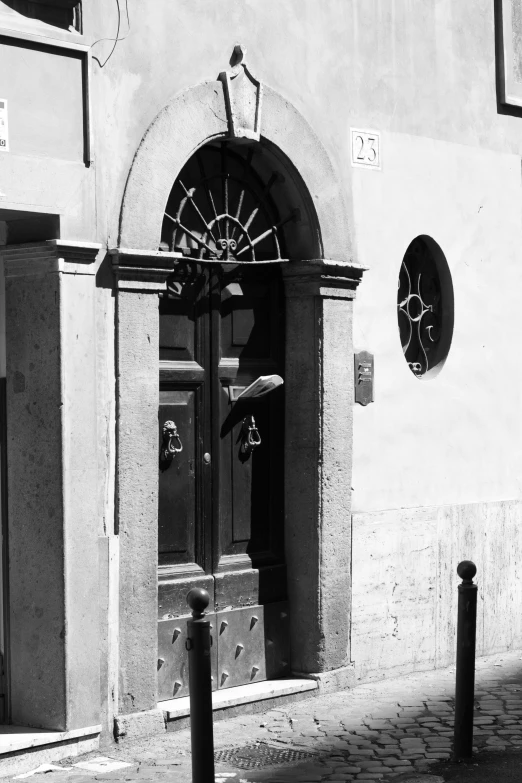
column 4, row 127
column 366, row 148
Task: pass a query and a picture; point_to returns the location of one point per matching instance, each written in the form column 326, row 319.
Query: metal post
column 465, row 680
column 200, row 684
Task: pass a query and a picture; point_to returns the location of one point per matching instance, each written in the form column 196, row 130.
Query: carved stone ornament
column 243, row 97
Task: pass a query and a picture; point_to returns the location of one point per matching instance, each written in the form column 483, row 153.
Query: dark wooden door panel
column 237, row 584
column 243, row 470
column 220, row 507
column 180, row 317
column 247, row 312
column 174, row 587
column 252, row 485
column 184, row 489
column 246, row 487
column 177, row 330
column 177, row 509
column 251, row 341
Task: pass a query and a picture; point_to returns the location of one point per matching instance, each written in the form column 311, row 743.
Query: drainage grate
column 254, row 756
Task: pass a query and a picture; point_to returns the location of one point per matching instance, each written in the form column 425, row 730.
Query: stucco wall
column 455, row 438
column 421, row 68
column 427, row 451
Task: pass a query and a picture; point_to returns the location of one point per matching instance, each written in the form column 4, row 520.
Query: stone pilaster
column 318, row 464
column 52, row 475
column 140, row 276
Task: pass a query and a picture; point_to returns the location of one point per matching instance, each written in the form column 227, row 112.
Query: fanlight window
column 425, row 307
column 222, row 208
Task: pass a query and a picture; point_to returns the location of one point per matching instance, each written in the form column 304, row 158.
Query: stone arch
column 197, row 116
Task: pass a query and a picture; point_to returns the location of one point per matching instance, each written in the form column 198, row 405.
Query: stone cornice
column 142, row 270
column 322, row 277
column 146, row 270
column 53, row 255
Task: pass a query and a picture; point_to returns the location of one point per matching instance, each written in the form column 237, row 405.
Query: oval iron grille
column 419, row 303
column 221, row 208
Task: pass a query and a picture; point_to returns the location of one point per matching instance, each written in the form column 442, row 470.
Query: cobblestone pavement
column 378, row 731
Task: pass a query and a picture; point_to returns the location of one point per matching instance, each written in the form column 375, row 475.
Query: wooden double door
column 221, row 513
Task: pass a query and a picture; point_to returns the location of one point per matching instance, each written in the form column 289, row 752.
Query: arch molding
column 198, row 116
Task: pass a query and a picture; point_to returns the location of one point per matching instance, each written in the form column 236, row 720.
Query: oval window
column 425, row 307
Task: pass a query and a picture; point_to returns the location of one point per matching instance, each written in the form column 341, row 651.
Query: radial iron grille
column 221, row 208
column 254, row 756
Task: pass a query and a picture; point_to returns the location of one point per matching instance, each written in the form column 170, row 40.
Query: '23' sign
column 366, row 148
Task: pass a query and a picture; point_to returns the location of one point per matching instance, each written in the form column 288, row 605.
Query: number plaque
column 366, row 148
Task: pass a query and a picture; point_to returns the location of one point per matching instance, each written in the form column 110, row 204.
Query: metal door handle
column 250, row 437
column 169, row 449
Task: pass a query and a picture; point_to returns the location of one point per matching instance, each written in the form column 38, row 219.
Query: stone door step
column 241, row 694
column 15, row 738
column 23, row 748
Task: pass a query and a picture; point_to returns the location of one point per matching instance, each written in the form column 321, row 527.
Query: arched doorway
column 307, row 255
column 235, row 221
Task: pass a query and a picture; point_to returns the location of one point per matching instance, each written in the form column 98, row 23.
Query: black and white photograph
column 260, row 391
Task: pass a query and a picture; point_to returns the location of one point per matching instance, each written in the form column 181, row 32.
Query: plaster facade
column 381, row 501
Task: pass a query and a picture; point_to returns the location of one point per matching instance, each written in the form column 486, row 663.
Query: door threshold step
column 17, row 738
column 241, row 694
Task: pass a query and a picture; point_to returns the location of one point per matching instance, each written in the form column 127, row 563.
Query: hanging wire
column 117, row 34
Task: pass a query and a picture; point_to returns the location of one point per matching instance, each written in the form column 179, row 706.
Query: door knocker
column 172, row 444
column 250, row 437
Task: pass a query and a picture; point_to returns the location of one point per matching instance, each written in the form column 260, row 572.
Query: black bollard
column 200, row 684
column 465, row 680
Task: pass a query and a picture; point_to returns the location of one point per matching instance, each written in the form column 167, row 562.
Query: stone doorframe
column 318, row 379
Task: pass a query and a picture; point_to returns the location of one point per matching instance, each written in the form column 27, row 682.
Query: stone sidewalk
column 375, row 732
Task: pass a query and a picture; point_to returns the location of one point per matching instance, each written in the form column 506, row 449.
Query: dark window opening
column 425, row 307
column 64, row 14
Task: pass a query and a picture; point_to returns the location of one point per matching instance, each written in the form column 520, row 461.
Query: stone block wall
column 405, row 584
